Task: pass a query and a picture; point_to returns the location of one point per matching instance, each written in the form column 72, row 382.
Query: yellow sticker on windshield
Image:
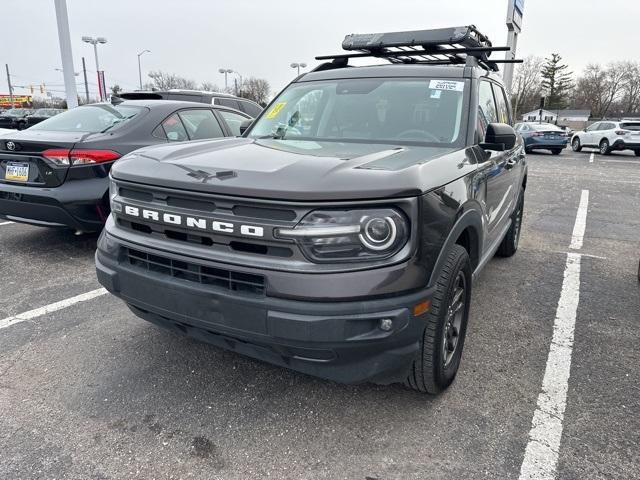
column 276, row 110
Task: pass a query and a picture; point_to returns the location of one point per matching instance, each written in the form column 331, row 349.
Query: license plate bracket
column 17, row 171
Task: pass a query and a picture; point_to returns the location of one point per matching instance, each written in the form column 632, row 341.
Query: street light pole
column 299, row 66
column 139, row 68
column 225, row 71
column 95, row 42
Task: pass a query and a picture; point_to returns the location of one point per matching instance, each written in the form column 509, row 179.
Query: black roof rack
column 442, row 46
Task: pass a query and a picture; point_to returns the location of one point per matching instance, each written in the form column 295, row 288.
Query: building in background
column 575, row 119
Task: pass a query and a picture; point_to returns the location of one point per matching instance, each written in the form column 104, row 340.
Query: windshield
column 422, row 111
column 89, row 118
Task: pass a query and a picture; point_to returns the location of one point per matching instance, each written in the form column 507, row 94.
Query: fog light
column 386, row 324
column 116, row 207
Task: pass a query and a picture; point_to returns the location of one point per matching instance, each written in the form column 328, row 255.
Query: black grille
column 192, row 272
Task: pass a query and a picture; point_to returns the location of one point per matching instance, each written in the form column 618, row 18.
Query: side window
column 158, row 132
column 503, row 108
column 201, row 124
column 487, row 112
column 250, row 108
column 594, row 127
column 234, row 120
column 607, row 126
column 228, row 102
column 174, row 130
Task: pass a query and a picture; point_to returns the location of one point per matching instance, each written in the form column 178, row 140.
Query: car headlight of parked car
column 329, row 236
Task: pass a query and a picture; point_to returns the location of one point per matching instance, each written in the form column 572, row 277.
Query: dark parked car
column 14, row 118
column 56, row 172
column 341, row 235
column 543, row 136
column 38, row 116
column 211, row 98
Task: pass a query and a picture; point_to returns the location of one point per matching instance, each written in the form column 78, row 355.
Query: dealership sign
column 18, row 101
column 514, row 15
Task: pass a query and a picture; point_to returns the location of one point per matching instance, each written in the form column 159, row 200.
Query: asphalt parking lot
column 90, row 391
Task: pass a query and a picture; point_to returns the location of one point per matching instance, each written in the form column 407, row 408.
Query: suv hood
column 292, row 169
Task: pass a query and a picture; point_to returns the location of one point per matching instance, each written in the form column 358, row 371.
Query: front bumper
column 340, row 341
column 76, row 204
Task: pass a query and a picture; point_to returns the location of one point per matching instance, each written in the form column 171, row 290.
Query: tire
column 528, row 150
column 509, row 245
column 605, row 148
column 556, row 151
column 637, row 152
column 576, row 146
column 437, row 362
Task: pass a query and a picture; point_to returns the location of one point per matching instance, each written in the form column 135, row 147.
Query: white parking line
column 581, row 222
column 541, row 455
column 592, row 157
column 634, row 162
column 37, row 312
column 5, row 223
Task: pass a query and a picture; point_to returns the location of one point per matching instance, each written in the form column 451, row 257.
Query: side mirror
column 499, row 137
column 245, row 125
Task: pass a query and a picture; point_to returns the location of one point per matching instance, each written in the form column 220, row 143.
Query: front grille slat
column 193, row 272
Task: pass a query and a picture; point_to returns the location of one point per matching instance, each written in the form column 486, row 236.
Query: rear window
column 90, row 118
column 228, row 102
column 635, row 126
column 250, row 108
column 547, row 127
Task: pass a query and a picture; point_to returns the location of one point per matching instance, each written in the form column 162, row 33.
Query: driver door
column 498, row 169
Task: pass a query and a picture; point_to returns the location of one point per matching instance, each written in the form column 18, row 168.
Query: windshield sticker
column 276, row 110
column 435, row 93
column 450, row 85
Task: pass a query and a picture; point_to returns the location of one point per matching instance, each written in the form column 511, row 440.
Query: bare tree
column 256, row 89
column 599, row 88
column 164, row 81
column 527, row 85
column 630, row 101
column 209, row 87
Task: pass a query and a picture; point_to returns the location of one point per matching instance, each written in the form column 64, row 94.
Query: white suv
column 608, row 136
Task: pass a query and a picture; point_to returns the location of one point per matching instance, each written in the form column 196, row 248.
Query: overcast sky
column 194, row 38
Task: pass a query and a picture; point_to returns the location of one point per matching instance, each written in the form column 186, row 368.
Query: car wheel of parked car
column 604, row 147
column 637, row 152
column 527, row 150
column 575, row 145
column 509, row 244
column 441, row 346
column 556, row 151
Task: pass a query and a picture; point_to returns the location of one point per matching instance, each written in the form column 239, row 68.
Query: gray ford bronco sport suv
column 341, row 234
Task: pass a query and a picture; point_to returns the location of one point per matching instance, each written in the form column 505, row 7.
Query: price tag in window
column 448, row 85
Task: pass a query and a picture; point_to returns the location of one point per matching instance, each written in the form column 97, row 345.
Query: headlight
column 113, row 192
column 350, row 235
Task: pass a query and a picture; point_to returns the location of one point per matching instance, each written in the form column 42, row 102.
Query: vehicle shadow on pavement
column 37, row 240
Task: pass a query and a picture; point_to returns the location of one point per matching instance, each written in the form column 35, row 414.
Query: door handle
column 510, row 163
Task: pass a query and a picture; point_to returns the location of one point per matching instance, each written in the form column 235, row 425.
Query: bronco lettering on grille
column 195, row 223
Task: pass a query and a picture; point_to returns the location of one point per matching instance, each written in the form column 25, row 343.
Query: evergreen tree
column 557, row 82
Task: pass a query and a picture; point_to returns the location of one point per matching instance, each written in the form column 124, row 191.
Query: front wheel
column 637, row 152
column 437, row 362
column 556, row 151
column 575, row 144
column 605, row 148
column 509, row 245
